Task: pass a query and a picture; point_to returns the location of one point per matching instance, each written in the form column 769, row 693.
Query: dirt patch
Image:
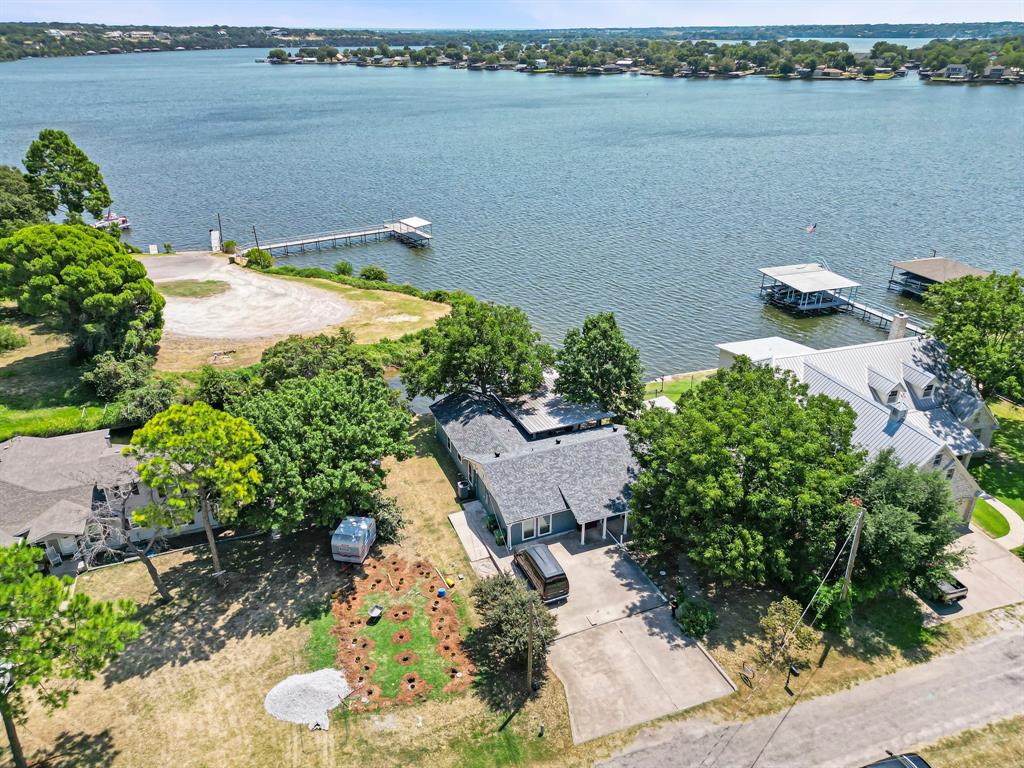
column 413, row 587
column 406, row 658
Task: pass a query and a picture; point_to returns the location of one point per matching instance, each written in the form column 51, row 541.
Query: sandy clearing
column 255, row 306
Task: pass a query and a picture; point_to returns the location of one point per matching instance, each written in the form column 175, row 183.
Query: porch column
column 604, row 528
column 508, row 537
column 625, row 524
column 583, row 532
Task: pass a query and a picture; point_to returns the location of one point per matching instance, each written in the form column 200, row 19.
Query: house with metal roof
column 906, row 398
column 542, row 465
column 49, row 487
column 916, row 276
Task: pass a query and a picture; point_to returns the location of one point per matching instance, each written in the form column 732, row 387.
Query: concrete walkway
column 968, row 689
column 1015, row 538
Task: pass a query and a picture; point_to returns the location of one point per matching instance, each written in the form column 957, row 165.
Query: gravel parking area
column 255, row 306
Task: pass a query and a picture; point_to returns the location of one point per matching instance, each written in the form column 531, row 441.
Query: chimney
column 898, row 328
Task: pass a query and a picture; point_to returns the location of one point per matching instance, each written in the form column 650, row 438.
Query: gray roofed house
column 50, row 485
column 907, row 399
column 540, row 464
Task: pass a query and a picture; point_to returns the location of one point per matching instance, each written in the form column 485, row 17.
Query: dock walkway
column 412, row 231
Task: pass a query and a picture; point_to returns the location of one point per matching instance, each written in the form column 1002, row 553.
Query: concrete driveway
column 604, row 585
column 994, row 577
column 620, row 656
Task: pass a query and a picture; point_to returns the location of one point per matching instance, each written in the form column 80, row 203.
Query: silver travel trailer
column 352, row 539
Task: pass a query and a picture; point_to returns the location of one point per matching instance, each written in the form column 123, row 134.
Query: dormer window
column 937, row 461
column 950, row 472
column 927, row 391
column 894, row 395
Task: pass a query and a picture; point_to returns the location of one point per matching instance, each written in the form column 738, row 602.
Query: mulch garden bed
column 412, row 608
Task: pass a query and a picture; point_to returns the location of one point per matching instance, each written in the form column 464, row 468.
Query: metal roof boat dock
column 917, row 275
column 806, row 288
column 813, row 289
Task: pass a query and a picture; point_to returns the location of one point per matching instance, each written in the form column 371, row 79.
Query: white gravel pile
column 308, row 698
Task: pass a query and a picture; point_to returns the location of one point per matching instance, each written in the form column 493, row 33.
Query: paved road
column 980, row 684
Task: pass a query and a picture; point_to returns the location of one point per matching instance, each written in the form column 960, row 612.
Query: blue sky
column 510, row 14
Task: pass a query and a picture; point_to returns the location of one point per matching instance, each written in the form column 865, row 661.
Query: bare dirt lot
column 234, row 326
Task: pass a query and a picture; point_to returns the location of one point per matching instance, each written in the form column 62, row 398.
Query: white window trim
column 522, row 529
column 549, row 520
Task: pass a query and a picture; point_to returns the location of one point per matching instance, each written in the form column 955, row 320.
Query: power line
column 782, row 647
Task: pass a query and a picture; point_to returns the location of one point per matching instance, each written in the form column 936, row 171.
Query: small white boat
column 111, row 219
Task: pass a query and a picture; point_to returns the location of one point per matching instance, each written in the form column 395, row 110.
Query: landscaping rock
column 308, row 698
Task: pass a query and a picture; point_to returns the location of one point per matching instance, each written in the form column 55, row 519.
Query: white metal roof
column 767, row 348
column 808, row 278
column 415, row 222
column 661, row 401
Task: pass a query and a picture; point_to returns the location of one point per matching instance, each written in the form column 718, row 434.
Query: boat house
column 806, row 289
column 542, row 465
column 918, row 275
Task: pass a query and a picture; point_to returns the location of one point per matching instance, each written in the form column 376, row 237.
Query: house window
column 544, row 525
column 950, row 472
column 928, row 390
column 937, row 461
column 893, row 396
column 529, row 529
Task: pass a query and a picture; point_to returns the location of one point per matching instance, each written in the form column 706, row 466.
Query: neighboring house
column 958, row 71
column 905, row 397
column 541, row 465
column 49, row 487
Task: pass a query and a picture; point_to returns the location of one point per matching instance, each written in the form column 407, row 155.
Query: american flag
column 810, row 229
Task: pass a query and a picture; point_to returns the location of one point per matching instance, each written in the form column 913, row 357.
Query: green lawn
column 672, row 389
column 192, row 289
column 990, row 519
column 1001, row 471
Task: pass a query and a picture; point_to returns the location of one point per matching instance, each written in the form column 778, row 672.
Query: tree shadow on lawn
column 274, row 585
column 889, row 624
column 77, row 750
column 500, row 687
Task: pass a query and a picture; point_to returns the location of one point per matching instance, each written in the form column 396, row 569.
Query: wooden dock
column 412, row 231
column 876, row 317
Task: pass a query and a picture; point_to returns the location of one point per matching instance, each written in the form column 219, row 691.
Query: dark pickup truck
column 950, row 591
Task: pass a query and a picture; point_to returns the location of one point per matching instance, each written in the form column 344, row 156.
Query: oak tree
column 598, row 366
column 64, row 177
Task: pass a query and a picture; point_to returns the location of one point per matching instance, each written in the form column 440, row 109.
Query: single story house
column 905, row 396
column 541, row 465
column 50, row 486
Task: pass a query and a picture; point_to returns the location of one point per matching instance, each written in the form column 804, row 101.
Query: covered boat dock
column 916, row 276
column 806, row 289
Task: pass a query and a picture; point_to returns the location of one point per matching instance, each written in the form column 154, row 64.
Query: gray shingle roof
column 38, row 473
column 477, row 425
column 589, row 475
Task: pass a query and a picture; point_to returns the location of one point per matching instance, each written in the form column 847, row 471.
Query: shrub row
column 438, row 296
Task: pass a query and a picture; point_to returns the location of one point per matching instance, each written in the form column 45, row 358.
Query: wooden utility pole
column 857, row 528
column 529, row 651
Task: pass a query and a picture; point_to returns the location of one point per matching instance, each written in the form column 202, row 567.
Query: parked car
column 352, row 539
column 951, row 592
column 543, row 572
column 906, row 760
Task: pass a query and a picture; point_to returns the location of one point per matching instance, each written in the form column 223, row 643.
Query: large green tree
column 64, row 177
column 305, row 357
column 750, row 477
column 598, row 366
column 84, row 278
column 19, row 204
column 197, row 457
column 981, row 322
column 324, row 439
column 910, row 520
column 51, row 638
column 487, row 348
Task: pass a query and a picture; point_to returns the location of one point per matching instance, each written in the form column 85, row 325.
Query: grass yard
column 192, row 289
column 675, row 385
column 1001, row 470
column 1000, row 743
column 990, row 519
column 40, row 392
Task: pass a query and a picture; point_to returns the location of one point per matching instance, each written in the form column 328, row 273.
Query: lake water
column 655, row 198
